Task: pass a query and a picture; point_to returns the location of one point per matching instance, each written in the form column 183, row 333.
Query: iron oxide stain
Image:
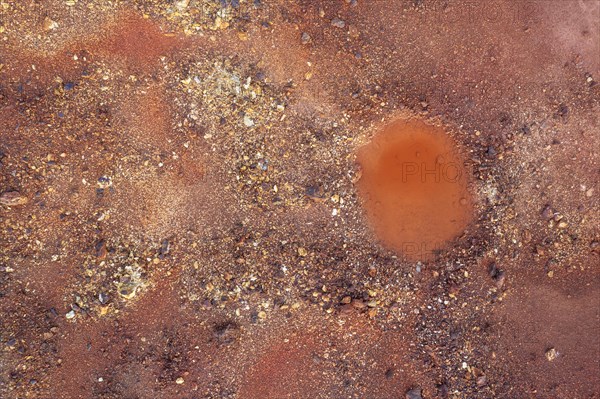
column 414, row 188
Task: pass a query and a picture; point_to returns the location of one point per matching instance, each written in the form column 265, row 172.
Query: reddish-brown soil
column 414, row 188
column 187, row 195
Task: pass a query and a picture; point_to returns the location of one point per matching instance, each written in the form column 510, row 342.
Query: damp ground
column 414, row 188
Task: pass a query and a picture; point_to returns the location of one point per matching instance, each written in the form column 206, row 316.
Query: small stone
column 70, row 314
column 302, row 252
column 500, row 280
column 551, row 354
column 562, row 224
column 547, row 212
column 481, row 380
column 248, row 122
column 443, row 391
column 338, row 23
column 347, row 299
column 49, row 24
column 179, row 381
column 358, row 304
column 220, row 24
column 103, row 181
column 389, row 373
column 262, row 315
column 12, row 198
column 100, row 249
column 589, row 192
column 527, row 236
column 563, row 110
column 314, row 192
column 127, row 292
column 414, row 393
column 164, row 248
column 182, row 4
column 497, row 275
column 103, row 298
column 305, row 38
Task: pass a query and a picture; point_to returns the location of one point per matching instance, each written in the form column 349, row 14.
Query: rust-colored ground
column 187, row 193
column 414, row 187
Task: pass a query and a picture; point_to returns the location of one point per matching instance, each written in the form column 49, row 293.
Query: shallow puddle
column 414, row 188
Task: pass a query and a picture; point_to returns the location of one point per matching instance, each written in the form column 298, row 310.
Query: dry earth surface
column 194, row 200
